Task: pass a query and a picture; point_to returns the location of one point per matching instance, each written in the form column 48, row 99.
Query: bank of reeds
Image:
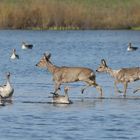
column 69, row 14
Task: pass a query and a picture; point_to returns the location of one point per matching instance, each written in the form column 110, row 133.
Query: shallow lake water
column 30, row 116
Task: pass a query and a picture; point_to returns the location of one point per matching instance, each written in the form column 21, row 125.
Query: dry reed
column 62, row 14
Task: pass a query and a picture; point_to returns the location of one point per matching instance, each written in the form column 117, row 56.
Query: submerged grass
column 69, row 14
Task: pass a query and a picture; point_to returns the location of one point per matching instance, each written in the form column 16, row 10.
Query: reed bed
column 69, row 14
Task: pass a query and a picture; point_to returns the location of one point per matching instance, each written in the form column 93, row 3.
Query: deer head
column 44, row 60
column 102, row 67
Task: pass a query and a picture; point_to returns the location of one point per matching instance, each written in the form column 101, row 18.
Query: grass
column 69, row 14
column 135, row 28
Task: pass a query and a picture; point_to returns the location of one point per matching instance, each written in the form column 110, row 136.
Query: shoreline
column 70, row 28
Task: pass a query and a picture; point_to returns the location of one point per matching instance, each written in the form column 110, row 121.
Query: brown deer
column 69, row 74
column 123, row 75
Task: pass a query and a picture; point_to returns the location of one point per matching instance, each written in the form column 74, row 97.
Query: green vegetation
column 69, row 14
column 135, row 28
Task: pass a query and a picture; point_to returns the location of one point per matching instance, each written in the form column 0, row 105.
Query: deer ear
column 44, row 55
column 47, row 55
column 103, row 62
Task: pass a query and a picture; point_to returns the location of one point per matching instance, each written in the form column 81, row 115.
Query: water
column 30, row 116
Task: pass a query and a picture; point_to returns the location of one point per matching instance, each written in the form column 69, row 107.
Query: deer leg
column 1, row 101
column 57, row 87
column 116, row 88
column 136, row 90
column 83, row 89
column 93, row 83
column 89, row 83
column 99, row 89
column 125, row 87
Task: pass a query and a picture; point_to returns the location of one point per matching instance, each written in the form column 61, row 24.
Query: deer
column 66, row 74
column 123, row 75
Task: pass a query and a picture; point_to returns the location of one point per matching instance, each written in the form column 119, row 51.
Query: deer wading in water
column 123, row 75
column 69, row 74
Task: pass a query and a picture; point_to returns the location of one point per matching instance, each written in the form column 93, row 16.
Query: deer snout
column 97, row 71
column 36, row 65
